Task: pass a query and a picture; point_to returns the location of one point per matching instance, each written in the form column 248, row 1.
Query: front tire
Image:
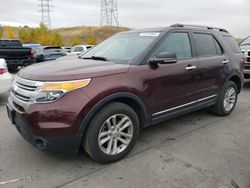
column 227, row 99
column 112, row 133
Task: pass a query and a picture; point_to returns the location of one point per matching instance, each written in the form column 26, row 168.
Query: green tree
column 1, row 31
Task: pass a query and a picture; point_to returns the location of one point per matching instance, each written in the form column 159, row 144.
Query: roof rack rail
column 199, row 26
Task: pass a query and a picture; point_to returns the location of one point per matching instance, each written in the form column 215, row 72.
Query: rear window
column 10, row 43
column 231, row 43
column 206, row 45
column 52, row 48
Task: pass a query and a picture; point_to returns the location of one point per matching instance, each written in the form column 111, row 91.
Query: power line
column 109, row 13
column 45, row 9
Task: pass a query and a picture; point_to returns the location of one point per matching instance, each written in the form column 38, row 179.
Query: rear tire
column 112, row 133
column 227, row 99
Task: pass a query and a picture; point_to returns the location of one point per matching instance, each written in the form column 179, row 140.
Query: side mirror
column 164, row 58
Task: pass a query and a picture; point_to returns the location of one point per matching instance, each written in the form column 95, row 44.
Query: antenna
column 45, row 9
column 109, row 13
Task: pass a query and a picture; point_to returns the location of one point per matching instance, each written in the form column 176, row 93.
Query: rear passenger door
column 212, row 65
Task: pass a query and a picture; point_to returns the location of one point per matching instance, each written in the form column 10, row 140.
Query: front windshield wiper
column 96, row 58
column 245, row 44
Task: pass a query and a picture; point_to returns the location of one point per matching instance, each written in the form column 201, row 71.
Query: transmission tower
column 109, row 13
column 45, row 9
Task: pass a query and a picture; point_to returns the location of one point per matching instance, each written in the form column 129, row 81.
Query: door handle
column 224, row 62
column 190, row 67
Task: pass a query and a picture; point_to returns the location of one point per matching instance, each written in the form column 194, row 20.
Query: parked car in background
column 78, row 49
column 132, row 80
column 245, row 47
column 15, row 54
column 67, row 49
column 53, row 52
column 38, row 51
column 5, row 77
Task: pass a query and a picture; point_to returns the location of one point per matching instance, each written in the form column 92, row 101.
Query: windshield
column 246, row 41
column 122, row 48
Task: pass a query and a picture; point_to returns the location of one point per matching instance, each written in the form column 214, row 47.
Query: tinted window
column 176, row 43
column 231, row 43
column 206, row 45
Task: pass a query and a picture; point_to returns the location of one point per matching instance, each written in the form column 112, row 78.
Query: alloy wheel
column 115, row 134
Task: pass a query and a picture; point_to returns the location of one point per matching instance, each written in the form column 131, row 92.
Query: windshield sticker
column 154, row 34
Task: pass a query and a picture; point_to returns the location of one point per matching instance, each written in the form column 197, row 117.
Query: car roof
column 185, row 27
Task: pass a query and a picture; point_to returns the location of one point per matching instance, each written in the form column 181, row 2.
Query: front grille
column 25, row 90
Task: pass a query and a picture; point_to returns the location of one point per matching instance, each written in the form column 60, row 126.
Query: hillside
column 68, row 36
column 87, row 34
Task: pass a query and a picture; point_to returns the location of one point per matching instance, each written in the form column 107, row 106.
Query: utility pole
column 109, row 13
column 45, row 9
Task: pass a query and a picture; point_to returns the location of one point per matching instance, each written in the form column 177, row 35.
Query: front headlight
column 51, row 91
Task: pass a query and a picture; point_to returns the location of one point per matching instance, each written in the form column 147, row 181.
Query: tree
column 91, row 40
column 26, row 35
column 76, row 40
column 1, row 31
column 57, row 40
column 10, row 33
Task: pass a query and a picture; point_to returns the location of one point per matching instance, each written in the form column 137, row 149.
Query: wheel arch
column 127, row 98
column 237, row 79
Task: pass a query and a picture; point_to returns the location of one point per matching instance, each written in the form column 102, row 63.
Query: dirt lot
column 197, row 150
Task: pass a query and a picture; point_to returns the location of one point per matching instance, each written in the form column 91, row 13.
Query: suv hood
column 71, row 69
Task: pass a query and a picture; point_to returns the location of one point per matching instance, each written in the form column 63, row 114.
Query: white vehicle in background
column 67, row 49
column 78, row 49
column 5, row 77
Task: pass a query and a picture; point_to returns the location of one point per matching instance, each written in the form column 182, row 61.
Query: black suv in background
column 15, row 54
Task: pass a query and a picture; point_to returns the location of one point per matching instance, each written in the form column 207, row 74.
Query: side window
column 206, row 45
column 80, row 49
column 178, row 43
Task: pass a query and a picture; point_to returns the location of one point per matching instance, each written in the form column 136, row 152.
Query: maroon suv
column 134, row 79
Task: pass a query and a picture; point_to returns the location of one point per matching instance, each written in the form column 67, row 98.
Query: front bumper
column 53, row 126
column 59, row 144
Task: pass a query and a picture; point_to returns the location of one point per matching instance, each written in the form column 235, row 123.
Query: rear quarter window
column 206, row 45
column 232, row 44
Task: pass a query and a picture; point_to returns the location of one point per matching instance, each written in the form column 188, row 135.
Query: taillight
column 32, row 54
column 3, row 70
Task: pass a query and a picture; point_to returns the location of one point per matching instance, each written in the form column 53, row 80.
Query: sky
column 233, row 15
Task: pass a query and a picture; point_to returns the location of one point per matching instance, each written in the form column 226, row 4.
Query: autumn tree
column 10, row 33
column 91, row 40
column 57, row 40
column 41, row 35
column 1, row 31
column 76, row 40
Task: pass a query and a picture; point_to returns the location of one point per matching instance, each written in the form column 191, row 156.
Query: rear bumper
column 16, row 63
column 58, row 144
